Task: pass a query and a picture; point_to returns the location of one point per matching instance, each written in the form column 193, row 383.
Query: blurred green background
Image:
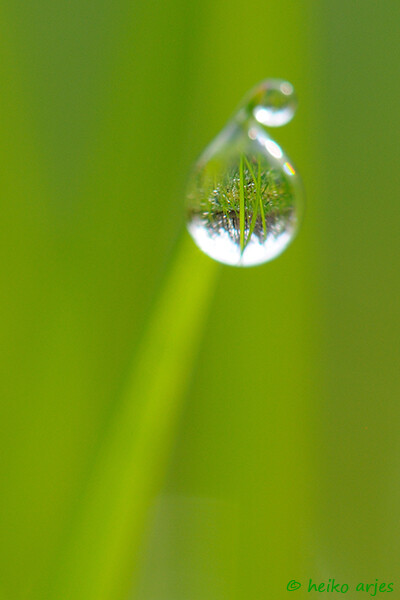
column 171, row 429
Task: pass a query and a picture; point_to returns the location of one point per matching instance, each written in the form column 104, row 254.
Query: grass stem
column 104, row 535
column 261, row 199
column 241, row 205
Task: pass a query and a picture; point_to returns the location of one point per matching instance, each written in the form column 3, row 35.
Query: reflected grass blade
column 261, row 201
column 255, row 207
column 241, row 209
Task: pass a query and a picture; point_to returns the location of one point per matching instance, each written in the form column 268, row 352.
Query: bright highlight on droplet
column 252, row 133
column 287, row 88
column 244, row 199
column 273, row 148
column 287, row 167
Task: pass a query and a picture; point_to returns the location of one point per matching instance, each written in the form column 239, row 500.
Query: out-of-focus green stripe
column 100, row 553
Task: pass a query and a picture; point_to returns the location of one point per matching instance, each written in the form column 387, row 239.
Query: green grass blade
column 241, row 210
column 106, row 531
column 261, row 200
column 255, row 207
column 250, row 168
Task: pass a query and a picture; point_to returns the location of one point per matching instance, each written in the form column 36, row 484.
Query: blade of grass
column 261, row 199
column 98, row 558
column 255, row 207
column 241, row 206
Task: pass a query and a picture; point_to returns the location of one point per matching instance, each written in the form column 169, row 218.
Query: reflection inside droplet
column 217, row 241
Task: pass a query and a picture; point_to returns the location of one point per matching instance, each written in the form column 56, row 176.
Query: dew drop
column 273, row 102
column 244, row 198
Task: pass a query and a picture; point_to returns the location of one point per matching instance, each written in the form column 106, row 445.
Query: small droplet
column 244, row 198
column 273, row 102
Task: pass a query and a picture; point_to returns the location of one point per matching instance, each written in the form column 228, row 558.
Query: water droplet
column 244, row 199
column 273, row 102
